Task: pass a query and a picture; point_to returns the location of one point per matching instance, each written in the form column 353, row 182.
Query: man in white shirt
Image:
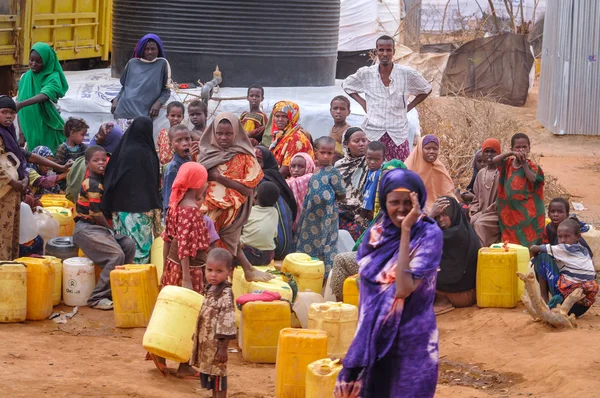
column 386, row 87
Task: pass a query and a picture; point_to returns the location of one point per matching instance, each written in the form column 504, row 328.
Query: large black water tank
column 267, row 42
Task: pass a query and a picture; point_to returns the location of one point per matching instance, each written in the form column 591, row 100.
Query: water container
column 64, row 216
column 173, row 323
column 302, row 305
column 260, row 327
column 321, row 377
column 48, row 228
column 240, row 286
column 297, row 349
column 592, row 237
column 28, row 229
column 78, row 281
column 496, row 284
column 156, row 256
column 339, row 320
column 225, row 37
column 307, row 271
column 57, row 200
column 40, row 287
column 61, row 247
column 523, row 263
column 13, row 292
column 345, row 242
column 274, row 285
column 57, row 265
column 134, row 292
column 350, row 291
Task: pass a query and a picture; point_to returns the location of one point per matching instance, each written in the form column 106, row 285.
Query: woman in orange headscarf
column 287, row 136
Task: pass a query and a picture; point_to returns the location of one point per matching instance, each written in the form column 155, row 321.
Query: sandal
column 161, row 367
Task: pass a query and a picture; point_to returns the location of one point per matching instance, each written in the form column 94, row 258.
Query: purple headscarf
column 138, row 52
column 429, row 138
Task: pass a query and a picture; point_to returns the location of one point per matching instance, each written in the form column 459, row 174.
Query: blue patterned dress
column 317, row 230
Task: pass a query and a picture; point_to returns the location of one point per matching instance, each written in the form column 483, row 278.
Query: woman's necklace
column 485, row 178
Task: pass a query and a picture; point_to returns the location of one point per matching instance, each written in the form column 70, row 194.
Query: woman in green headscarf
column 39, row 90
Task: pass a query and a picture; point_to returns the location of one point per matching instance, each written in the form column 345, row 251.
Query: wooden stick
column 493, row 10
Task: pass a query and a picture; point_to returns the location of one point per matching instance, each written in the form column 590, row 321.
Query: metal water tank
column 267, row 42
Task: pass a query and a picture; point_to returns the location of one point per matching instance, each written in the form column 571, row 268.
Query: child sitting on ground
column 260, row 231
column 254, row 120
column 374, row 156
column 180, row 142
column 340, row 110
column 558, row 211
column 175, row 114
column 42, row 179
column 216, row 324
column 186, row 241
column 302, row 167
column 520, row 194
column 198, row 113
column 94, row 235
column 317, row 230
column 73, row 148
column 562, row 268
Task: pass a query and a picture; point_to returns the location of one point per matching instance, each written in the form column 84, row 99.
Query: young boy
column 260, row 231
column 375, row 155
column 94, row 235
column 255, row 121
column 216, row 324
column 339, row 110
column 558, row 211
column 73, row 148
column 198, row 113
column 175, row 114
column 562, row 268
column 180, row 140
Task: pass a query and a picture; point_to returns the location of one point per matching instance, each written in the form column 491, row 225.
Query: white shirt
column 260, row 230
column 386, row 106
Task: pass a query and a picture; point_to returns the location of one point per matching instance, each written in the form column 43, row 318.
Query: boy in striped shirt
column 93, row 233
column 562, row 268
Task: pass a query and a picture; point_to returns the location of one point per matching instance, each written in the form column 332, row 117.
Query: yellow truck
column 76, row 29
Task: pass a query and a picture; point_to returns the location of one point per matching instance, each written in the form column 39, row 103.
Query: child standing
column 73, row 148
column 318, row 225
column 562, row 268
column 94, row 235
column 198, row 113
column 520, row 194
column 175, row 114
column 41, row 178
column 302, row 167
column 558, row 211
column 260, row 231
column 216, row 324
column 180, row 142
column 340, row 110
column 375, row 155
column 254, row 120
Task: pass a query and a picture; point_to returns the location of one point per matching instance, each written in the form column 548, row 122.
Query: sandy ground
column 489, row 352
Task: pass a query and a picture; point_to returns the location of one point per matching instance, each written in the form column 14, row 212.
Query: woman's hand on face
column 414, row 213
column 154, row 109
column 439, row 207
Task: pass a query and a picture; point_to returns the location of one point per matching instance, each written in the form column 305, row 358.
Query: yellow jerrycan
column 40, row 287
column 496, row 283
column 134, row 291
column 297, row 349
column 350, row 290
column 173, row 323
column 57, row 265
column 321, row 377
column 64, row 216
column 156, row 256
column 307, row 271
column 339, row 320
column 260, row 327
column 523, row 258
column 57, row 200
column 13, row 292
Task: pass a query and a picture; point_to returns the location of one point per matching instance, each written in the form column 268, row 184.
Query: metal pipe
column 208, row 87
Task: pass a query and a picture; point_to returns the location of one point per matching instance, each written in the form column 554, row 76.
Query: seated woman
column 287, row 136
column 424, row 161
column 456, row 279
column 286, row 205
column 484, row 207
column 233, row 174
column 353, row 168
column 41, row 180
column 144, row 83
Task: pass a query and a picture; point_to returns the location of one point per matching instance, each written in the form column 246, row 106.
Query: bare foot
column 442, row 305
column 254, row 275
column 186, row 371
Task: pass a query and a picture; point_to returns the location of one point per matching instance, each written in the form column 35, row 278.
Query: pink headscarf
column 190, row 176
column 299, row 185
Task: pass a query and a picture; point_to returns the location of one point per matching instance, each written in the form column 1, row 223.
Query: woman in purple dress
column 395, row 349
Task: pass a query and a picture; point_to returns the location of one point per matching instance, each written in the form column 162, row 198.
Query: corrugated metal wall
column 569, row 93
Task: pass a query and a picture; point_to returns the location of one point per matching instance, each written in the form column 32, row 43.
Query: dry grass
column 461, row 125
